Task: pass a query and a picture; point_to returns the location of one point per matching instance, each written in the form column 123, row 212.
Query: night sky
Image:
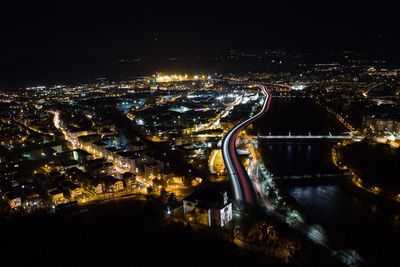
column 45, row 35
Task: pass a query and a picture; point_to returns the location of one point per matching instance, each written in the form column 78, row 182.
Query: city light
column 164, row 78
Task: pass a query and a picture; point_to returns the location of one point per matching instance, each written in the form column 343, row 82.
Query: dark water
column 372, row 230
column 297, row 116
column 297, row 158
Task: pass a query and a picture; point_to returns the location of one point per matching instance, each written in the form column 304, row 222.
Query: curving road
column 242, row 185
column 246, row 190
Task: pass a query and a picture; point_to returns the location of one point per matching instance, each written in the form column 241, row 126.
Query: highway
column 242, row 185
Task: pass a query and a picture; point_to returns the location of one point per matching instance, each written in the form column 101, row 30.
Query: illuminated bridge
column 310, row 137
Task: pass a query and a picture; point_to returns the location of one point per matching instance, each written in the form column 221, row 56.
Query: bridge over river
column 290, row 137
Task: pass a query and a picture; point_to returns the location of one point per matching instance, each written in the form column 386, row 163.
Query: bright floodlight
column 298, row 87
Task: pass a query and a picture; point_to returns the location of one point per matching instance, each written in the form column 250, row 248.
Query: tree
column 149, row 189
column 163, row 195
column 172, row 201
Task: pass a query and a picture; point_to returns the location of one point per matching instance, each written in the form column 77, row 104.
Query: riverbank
column 374, row 169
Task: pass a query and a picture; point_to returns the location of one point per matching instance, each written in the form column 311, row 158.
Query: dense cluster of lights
column 175, row 78
column 298, row 87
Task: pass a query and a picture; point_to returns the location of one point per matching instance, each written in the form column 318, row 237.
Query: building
column 44, row 150
column 128, row 178
column 381, row 125
column 98, row 186
column 209, row 207
column 67, row 165
column 112, row 184
column 98, row 166
column 151, row 169
column 57, row 197
column 81, row 155
column 75, row 133
column 14, row 200
column 73, row 189
column 137, row 146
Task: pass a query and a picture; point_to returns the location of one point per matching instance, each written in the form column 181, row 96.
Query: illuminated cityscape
column 147, row 140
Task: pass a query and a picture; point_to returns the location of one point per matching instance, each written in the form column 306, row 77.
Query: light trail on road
column 242, row 185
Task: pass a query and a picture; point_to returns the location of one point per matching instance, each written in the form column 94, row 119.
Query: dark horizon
column 55, row 38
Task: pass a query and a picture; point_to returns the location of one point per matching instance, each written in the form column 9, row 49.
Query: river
column 370, row 229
